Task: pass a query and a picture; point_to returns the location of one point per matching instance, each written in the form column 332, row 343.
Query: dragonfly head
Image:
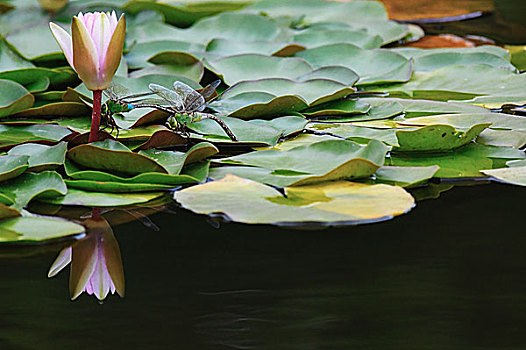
column 129, row 107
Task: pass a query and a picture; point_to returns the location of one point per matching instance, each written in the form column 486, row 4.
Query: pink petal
column 64, row 41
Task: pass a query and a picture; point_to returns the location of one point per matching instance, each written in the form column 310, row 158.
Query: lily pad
column 11, row 135
column 327, row 204
column 314, row 37
column 513, row 175
column 373, row 66
column 356, row 133
column 405, row 176
column 466, row 161
column 336, row 160
column 14, row 98
column 27, row 186
column 271, row 97
column 186, row 13
column 340, row 107
column 12, row 166
column 41, row 157
column 256, row 131
column 112, row 156
column 37, row 229
column 100, row 199
column 436, row 138
column 233, row 69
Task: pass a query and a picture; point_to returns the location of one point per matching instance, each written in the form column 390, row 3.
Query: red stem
column 95, row 213
column 95, row 118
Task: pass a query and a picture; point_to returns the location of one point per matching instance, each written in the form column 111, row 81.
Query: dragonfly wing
column 210, row 89
column 117, row 91
column 192, row 99
column 173, row 98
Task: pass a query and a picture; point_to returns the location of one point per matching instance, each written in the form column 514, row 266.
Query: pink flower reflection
column 96, row 264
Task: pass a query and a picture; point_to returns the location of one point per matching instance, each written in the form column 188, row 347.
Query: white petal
column 62, row 260
column 64, row 41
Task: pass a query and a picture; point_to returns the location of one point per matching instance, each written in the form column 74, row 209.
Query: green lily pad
column 112, row 156
column 56, row 109
column 420, row 108
column 37, row 229
column 436, row 138
column 186, row 13
column 14, row 98
column 404, row 176
column 429, row 60
column 27, row 186
column 466, row 161
column 373, row 66
column 174, row 161
column 11, row 135
column 336, row 160
column 498, row 121
column 256, row 131
column 514, row 175
column 117, row 187
column 271, row 97
column 41, row 157
column 76, row 173
column 461, row 82
column 221, row 47
column 313, row 37
column 356, row 133
column 505, row 138
column 328, row 204
column 140, row 54
column 233, row 69
column 340, row 107
column 7, row 212
column 12, row 166
column 36, row 43
column 385, row 110
column 100, row 199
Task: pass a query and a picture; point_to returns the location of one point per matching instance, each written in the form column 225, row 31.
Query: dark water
column 449, row 275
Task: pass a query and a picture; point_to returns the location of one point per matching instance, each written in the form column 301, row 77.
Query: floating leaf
column 33, row 229
column 234, row 69
column 185, row 14
column 11, row 135
column 373, row 66
column 224, row 47
column 504, row 138
column 404, row 176
column 100, row 199
column 514, row 175
column 27, row 186
column 256, row 131
column 436, row 138
column 140, row 54
column 313, row 37
column 14, row 98
column 112, row 156
column 41, row 157
column 333, row 203
column 356, row 133
column 12, row 166
column 271, row 97
column 466, row 161
column 336, row 160
column 340, row 107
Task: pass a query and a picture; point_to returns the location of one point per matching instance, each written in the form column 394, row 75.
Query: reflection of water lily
column 94, row 50
column 96, row 265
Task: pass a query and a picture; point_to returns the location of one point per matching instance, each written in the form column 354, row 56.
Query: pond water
column 448, row 275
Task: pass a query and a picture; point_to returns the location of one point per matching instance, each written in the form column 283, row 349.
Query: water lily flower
column 53, row 6
column 96, row 264
column 94, row 51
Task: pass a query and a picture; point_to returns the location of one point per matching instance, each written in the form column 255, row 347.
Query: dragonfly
column 186, row 105
column 120, row 100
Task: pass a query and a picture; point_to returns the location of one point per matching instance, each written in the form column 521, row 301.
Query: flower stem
column 95, row 117
column 96, row 214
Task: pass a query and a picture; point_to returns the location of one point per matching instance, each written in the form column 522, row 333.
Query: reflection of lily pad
column 246, row 201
